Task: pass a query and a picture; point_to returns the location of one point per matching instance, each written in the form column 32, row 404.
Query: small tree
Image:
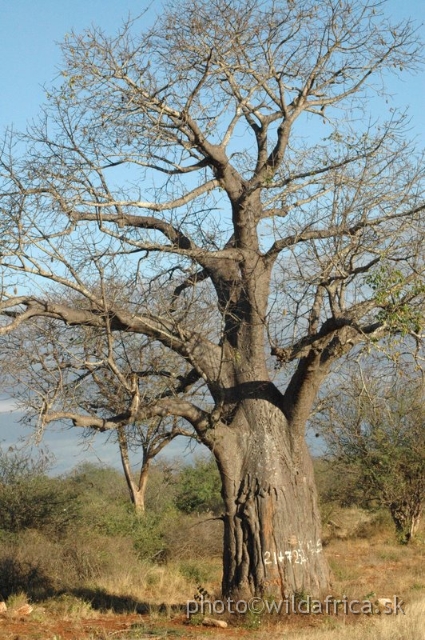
column 90, row 376
column 376, row 433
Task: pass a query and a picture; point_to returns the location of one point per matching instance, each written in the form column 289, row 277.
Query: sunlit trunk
column 272, row 528
column 406, row 517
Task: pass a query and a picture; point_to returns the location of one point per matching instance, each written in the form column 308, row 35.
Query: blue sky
column 30, row 58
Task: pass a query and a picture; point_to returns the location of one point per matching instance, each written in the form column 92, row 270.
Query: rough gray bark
column 272, row 530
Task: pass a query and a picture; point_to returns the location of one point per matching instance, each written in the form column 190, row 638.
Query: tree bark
column 272, row 527
column 137, row 490
column 406, row 517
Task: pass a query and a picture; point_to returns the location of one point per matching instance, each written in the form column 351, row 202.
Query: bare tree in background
column 226, row 154
column 374, row 431
column 88, row 375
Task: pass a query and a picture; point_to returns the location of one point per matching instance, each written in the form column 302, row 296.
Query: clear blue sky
column 30, row 58
column 29, row 53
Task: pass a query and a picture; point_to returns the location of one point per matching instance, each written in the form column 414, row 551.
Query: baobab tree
column 224, row 165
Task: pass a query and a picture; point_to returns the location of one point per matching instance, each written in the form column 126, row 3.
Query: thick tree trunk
column 272, row 528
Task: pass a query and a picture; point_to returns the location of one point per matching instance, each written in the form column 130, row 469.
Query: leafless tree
column 374, row 431
column 88, row 376
column 227, row 151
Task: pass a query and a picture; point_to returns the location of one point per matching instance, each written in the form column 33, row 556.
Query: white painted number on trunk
column 297, row 555
column 314, row 547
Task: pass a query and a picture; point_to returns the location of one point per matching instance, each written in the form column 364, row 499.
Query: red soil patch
column 28, row 629
column 121, row 626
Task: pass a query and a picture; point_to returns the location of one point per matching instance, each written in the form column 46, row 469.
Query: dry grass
column 377, row 566
column 154, row 585
column 401, row 627
column 363, row 568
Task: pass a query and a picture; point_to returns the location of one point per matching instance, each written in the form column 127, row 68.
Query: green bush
column 31, row 500
column 198, row 488
column 59, row 534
